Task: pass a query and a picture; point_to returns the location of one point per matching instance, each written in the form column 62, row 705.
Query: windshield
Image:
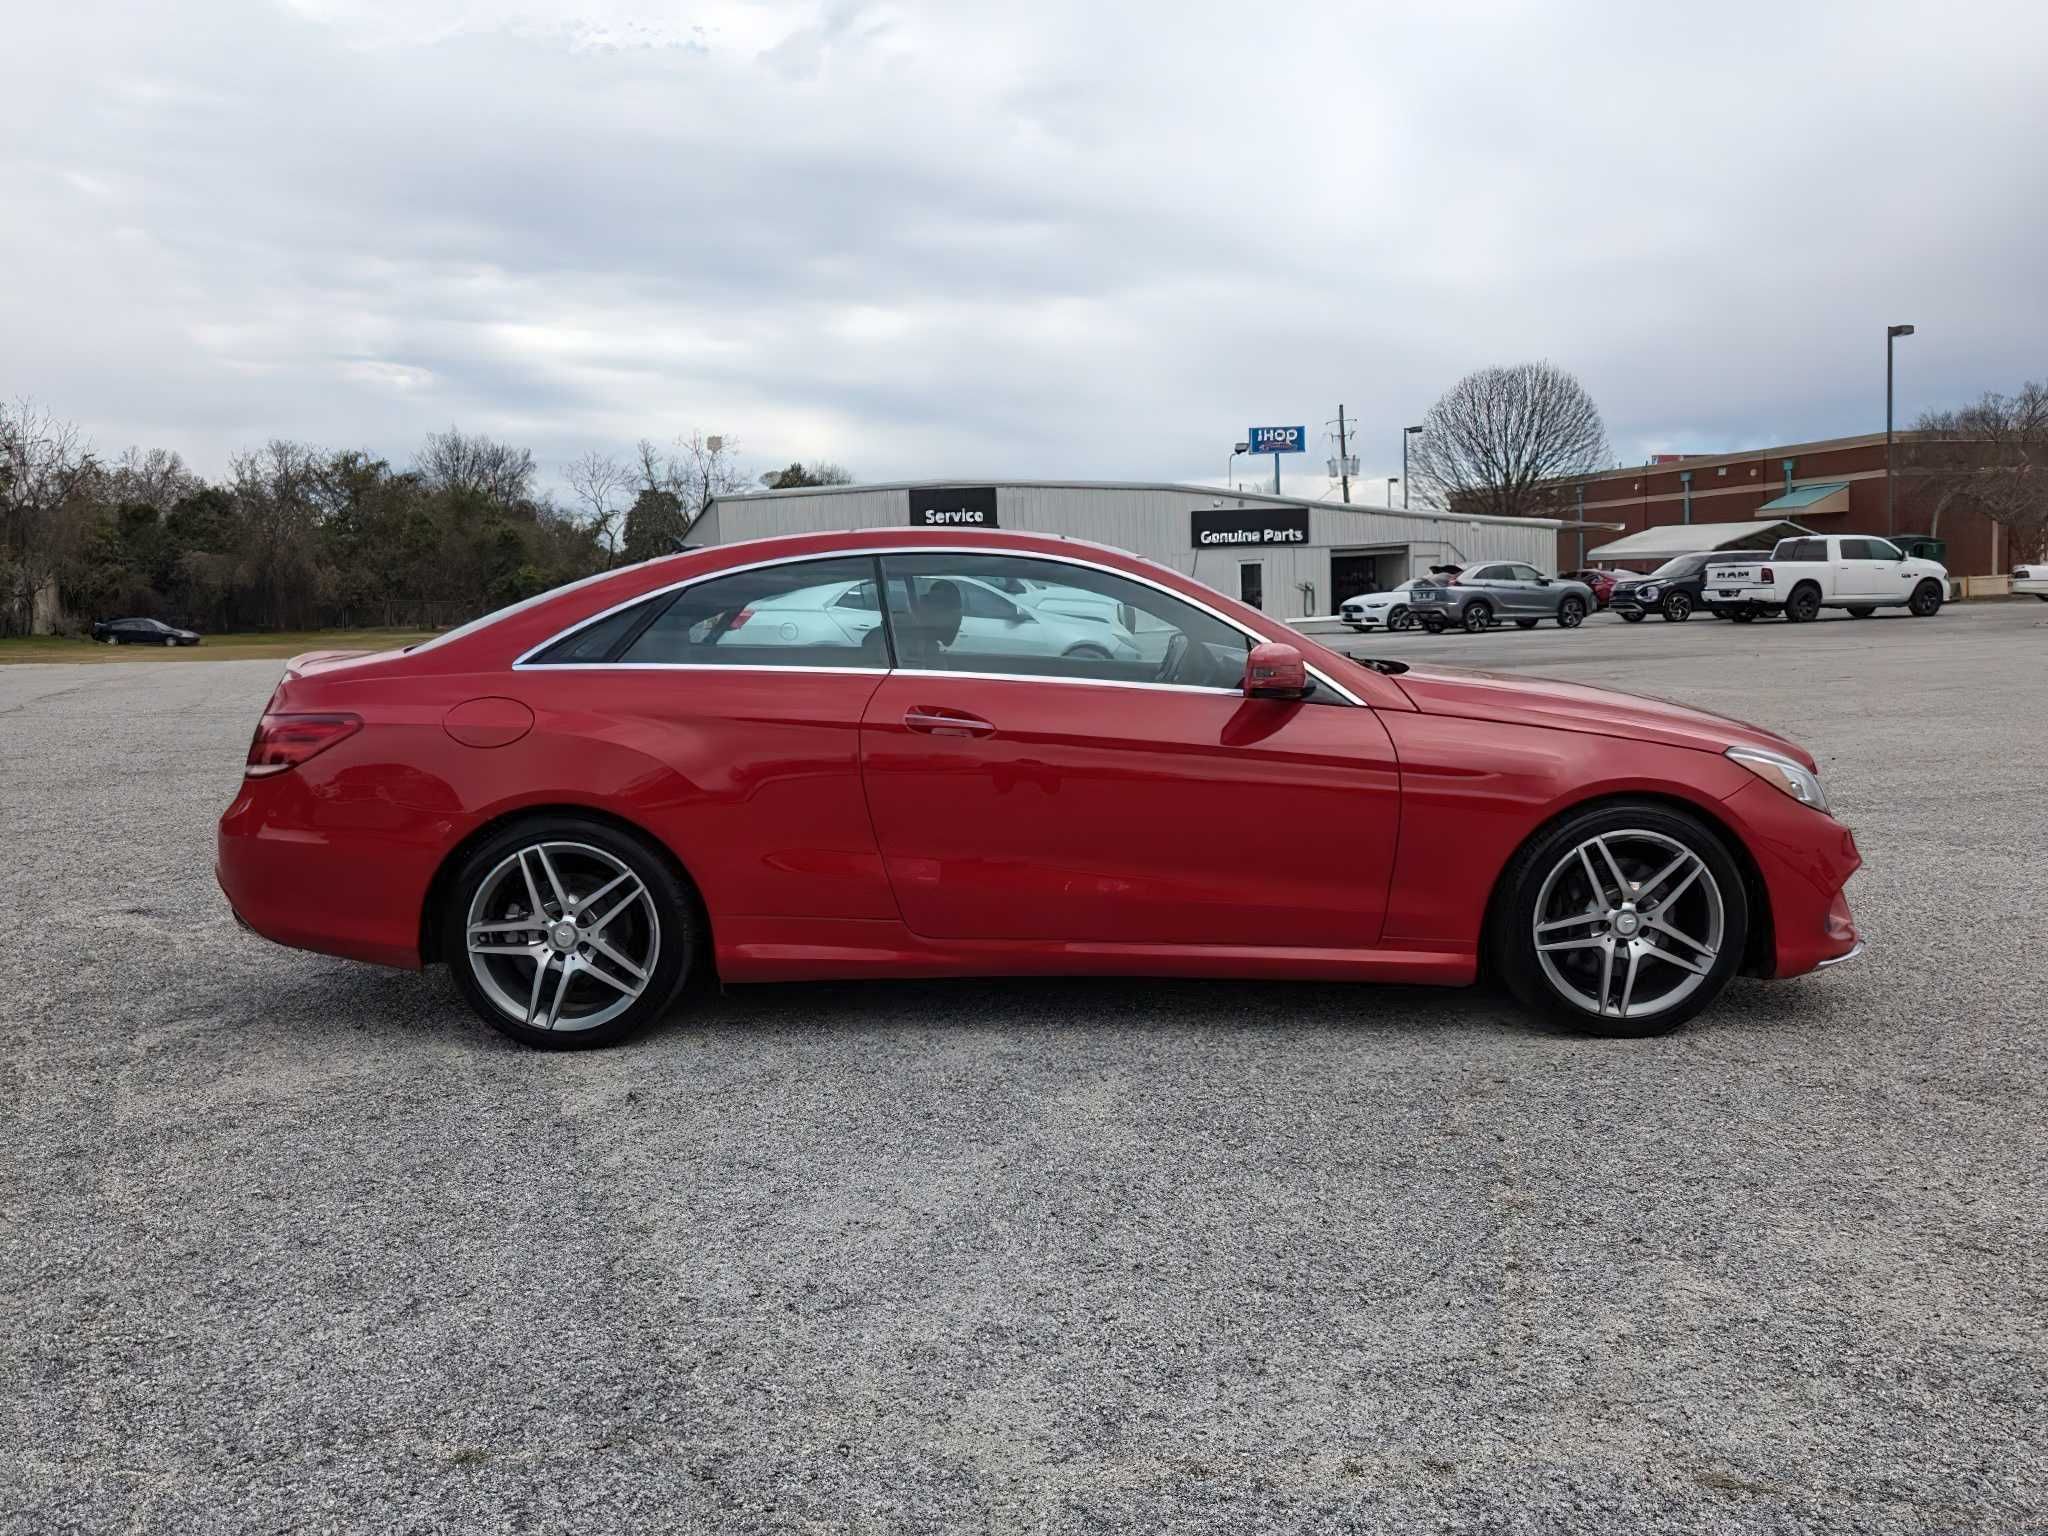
column 1684, row 565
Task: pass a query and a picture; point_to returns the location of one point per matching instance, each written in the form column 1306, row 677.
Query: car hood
column 1560, row 706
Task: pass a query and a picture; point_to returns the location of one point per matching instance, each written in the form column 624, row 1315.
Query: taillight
column 1763, row 575
column 285, row 741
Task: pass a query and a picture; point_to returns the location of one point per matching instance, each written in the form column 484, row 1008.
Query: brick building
column 1836, row 486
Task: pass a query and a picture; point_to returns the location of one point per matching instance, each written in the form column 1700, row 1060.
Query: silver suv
column 1484, row 595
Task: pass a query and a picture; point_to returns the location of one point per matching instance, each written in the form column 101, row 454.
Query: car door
column 1533, row 596
column 736, row 744
column 1093, row 800
column 1494, row 583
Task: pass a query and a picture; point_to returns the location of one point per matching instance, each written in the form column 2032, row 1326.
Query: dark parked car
column 141, row 632
column 1673, row 589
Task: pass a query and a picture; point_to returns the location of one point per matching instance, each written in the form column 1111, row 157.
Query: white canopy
column 1694, row 539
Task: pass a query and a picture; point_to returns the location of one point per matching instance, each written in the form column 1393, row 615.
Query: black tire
column 1434, row 624
column 1741, row 615
column 1633, row 616
column 1085, row 652
column 1860, row 610
column 1478, row 618
column 1571, row 613
column 1926, row 600
column 2041, row 597
column 1511, row 938
column 1525, row 623
column 1803, row 606
column 1677, row 607
column 677, row 925
column 1398, row 617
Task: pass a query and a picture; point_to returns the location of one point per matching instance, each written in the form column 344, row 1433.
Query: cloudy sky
column 1041, row 239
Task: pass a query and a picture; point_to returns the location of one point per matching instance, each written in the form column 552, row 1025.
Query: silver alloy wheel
column 570, row 912
column 1629, row 924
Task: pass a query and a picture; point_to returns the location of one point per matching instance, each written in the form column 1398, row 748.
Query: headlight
column 1782, row 772
column 1646, row 593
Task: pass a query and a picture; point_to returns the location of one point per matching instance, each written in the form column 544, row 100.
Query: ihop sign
column 1278, row 439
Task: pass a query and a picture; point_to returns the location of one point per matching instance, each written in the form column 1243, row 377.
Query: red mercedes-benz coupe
column 895, row 753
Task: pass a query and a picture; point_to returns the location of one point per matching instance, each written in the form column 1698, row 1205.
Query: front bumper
column 1805, row 857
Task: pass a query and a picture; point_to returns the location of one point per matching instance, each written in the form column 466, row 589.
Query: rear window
column 602, row 640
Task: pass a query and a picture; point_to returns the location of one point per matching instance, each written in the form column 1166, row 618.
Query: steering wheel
column 1171, row 663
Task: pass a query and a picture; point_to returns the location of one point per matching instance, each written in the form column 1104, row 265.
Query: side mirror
column 1276, row 671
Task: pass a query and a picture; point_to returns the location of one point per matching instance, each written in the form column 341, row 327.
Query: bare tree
column 1500, row 438
column 825, row 472
column 475, row 465
column 695, row 470
column 157, row 479
column 600, row 483
column 1992, row 455
column 47, row 471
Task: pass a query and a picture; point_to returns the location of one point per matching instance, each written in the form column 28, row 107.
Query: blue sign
column 1278, row 439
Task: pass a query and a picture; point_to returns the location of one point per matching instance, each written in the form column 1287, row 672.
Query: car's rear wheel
column 1571, row 613
column 1677, row 607
column 1632, row 616
column 1434, row 624
column 1525, row 623
column 1925, row 602
column 1803, row 607
column 1086, row 652
column 1861, row 610
column 1624, row 919
column 1478, row 617
column 1742, row 615
column 566, row 933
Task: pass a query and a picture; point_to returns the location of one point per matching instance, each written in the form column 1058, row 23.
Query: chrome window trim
column 523, row 662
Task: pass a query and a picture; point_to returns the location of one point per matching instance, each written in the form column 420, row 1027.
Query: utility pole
column 1343, row 463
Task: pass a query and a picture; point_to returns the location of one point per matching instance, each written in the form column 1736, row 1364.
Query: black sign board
column 953, row 506
column 1219, row 527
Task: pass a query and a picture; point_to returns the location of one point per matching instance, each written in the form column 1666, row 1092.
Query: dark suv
column 1673, row 589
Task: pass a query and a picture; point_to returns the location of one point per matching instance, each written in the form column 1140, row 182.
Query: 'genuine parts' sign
column 1215, row 527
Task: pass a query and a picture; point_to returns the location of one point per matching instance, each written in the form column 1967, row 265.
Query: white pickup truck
column 1804, row 575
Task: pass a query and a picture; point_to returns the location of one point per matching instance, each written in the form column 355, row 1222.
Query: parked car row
column 1474, row 599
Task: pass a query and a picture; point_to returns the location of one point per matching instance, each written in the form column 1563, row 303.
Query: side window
column 948, row 614
column 598, row 641
column 775, row 616
column 1526, row 573
column 1882, row 549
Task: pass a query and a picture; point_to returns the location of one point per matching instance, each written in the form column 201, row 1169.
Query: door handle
column 937, row 722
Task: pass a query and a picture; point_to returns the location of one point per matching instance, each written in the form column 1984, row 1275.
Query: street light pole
column 1406, row 433
column 1891, row 333
column 1231, row 468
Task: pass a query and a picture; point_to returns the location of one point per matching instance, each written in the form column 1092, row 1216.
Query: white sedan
column 1383, row 610
column 2031, row 578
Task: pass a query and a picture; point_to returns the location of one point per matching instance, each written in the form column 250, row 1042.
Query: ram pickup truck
column 1804, row 575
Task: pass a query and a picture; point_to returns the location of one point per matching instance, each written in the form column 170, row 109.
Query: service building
column 1291, row 557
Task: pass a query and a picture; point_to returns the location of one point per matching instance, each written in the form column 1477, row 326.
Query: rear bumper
column 342, row 874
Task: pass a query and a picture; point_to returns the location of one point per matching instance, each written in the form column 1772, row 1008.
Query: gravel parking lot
column 292, row 1244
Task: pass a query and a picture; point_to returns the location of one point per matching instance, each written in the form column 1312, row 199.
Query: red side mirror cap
column 1276, row 671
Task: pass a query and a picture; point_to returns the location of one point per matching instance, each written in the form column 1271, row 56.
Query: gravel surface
column 292, row 1244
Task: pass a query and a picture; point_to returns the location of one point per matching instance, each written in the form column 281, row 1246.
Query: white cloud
column 965, row 237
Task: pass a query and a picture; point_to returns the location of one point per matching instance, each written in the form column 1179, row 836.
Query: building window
column 1251, row 584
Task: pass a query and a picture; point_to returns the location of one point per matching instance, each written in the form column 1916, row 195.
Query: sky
column 1046, row 240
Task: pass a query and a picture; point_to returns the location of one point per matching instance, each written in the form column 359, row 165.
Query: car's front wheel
column 1925, row 602
column 1571, row 613
column 566, row 933
column 1678, row 607
column 1624, row 919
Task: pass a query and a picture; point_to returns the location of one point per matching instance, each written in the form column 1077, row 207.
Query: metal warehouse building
column 1291, row 557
